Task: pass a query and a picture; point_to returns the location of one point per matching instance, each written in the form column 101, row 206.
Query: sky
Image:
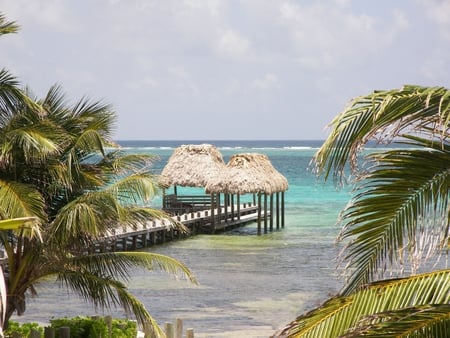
column 226, row 69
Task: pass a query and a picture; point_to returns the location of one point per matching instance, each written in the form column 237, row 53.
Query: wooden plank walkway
column 159, row 231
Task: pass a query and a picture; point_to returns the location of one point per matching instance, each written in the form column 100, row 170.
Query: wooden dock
column 158, row 231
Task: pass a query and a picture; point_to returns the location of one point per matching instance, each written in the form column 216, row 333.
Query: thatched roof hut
column 248, row 173
column 192, row 166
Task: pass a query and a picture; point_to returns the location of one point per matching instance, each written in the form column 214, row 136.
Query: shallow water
column 250, row 285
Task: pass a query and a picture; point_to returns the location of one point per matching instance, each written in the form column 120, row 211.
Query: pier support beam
column 259, row 213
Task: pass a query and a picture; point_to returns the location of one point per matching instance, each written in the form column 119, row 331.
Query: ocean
column 250, row 285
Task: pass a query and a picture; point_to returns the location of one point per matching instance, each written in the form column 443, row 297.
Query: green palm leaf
column 427, row 321
column 400, row 187
column 103, row 292
column 134, row 189
column 92, row 215
column 7, row 27
column 383, row 115
column 19, row 200
column 96, row 278
column 340, row 314
column 118, row 264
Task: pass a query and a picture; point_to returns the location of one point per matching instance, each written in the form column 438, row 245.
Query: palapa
column 248, row 173
column 192, row 166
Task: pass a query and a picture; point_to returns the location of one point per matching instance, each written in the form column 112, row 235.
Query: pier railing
column 178, row 205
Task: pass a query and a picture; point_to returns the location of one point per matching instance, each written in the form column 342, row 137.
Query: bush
column 24, row 329
column 80, row 327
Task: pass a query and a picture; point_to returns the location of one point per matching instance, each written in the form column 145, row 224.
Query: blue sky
column 226, row 69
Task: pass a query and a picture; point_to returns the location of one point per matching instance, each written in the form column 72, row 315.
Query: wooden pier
column 198, row 222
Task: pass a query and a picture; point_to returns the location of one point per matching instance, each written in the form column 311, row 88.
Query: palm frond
column 400, row 210
column 20, row 200
column 340, row 314
column 7, row 27
column 383, row 115
column 94, row 214
column 104, row 292
column 134, row 189
column 426, row 321
column 10, row 94
column 122, row 163
column 96, row 278
column 95, row 115
column 118, row 264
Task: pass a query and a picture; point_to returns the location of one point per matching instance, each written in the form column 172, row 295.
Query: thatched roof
column 192, row 166
column 248, row 173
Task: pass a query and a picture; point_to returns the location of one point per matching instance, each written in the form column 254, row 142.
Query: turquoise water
column 250, row 285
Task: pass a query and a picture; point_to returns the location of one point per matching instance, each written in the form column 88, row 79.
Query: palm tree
column 59, row 164
column 9, row 224
column 397, row 219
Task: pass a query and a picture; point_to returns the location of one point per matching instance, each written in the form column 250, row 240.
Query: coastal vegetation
column 59, row 166
column 396, row 224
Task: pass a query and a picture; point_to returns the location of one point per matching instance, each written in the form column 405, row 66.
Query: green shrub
column 24, row 329
column 80, row 327
column 123, row 329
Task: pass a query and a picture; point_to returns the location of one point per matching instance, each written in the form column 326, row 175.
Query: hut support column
column 219, row 209
column 238, row 201
column 232, row 207
column 213, row 205
column 271, row 213
column 265, row 213
column 259, row 213
column 277, row 202
column 226, row 200
column 282, row 209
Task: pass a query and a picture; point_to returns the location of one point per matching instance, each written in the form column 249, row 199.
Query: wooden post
column 134, row 243
column 219, row 207
column 213, row 205
column 277, row 202
column 232, row 207
column 271, row 213
column 49, row 332
column 169, row 329
column 226, row 203
column 144, row 240
column 190, row 333
column 265, row 213
column 64, row 332
column 259, row 213
column 238, row 201
column 178, row 328
column 148, row 330
column 282, row 209
column 35, row 334
column 108, row 321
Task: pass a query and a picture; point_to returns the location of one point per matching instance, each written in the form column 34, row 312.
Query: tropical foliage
column 59, row 165
column 397, row 220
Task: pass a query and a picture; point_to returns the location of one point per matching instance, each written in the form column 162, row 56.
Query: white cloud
column 52, row 14
column 231, row 44
column 268, row 81
column 438, row 11
column 325, row 36
column 226, row 57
